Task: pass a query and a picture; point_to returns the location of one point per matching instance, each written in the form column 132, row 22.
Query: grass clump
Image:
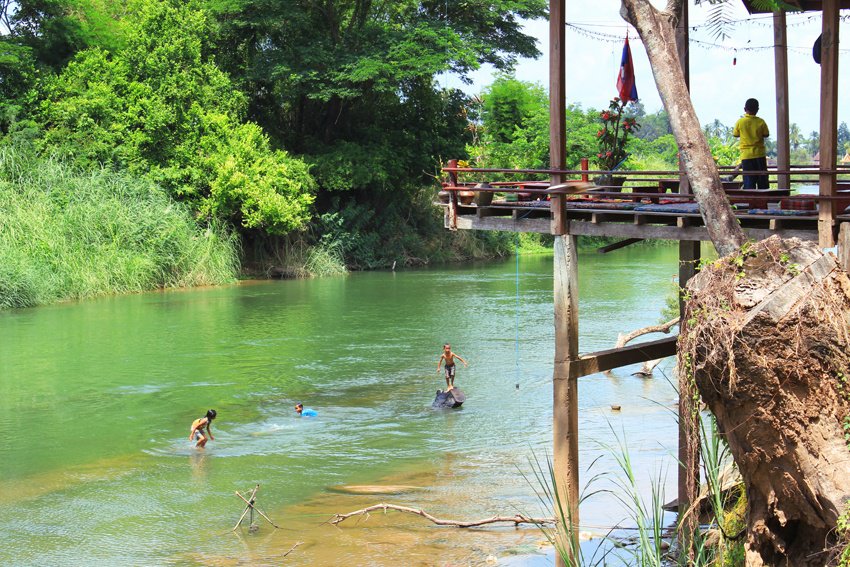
column 70, row 234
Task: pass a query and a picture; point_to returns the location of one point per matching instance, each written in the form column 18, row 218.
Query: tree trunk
column 768, row 346
column 658, row 31
column 778, row 312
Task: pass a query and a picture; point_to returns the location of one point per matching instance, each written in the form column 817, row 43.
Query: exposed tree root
column 765, row 340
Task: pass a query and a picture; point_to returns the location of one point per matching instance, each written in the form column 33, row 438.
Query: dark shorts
column 450, row 371
column 755, row 181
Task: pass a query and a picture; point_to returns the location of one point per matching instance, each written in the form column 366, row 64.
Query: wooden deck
column 536, row 216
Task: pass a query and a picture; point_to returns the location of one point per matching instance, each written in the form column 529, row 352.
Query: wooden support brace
column 600, row 361
column 775, row 224
column 683, row 222
column 640, row 219
column 618, row 245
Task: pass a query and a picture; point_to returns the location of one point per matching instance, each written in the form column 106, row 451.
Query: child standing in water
column 448, row 358
column 198, row 426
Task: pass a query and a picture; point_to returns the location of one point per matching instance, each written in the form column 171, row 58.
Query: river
column 96, row 399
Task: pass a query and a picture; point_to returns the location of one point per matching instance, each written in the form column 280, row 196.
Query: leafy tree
column 55, row 30
column 795, row 137
column 336, row 80
column 843, row 138
column 813, row 143
column 17, row 73
column 654, row 125
column 507, row 104
column 161, row 108
column 719, row 130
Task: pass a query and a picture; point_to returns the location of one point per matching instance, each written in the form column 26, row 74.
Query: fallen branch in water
column 291, row 549
column 516, row 519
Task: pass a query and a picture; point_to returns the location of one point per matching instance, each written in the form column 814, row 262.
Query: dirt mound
column 765, row 341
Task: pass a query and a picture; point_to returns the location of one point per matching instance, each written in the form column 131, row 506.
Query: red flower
column 599, row 133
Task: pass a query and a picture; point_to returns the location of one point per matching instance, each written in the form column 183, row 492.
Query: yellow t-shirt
column 752, row 130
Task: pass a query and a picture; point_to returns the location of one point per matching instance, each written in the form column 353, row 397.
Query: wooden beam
column 617, row 230
column 780, row 65
column 828, row 119
column 564, row 383
column 603, row 360
column 618, row 245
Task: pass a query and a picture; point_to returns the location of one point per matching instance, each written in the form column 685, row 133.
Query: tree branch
column 623, row 340
column 516, row 519
column 291, row 549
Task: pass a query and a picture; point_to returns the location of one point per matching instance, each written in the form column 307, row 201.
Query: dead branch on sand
column 516, row 519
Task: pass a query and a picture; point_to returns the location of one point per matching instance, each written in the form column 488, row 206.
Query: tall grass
column 295, row 257
column 69, row 234
column 650, row 547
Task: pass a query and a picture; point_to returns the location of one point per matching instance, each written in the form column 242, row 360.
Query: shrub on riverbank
column 69, row 234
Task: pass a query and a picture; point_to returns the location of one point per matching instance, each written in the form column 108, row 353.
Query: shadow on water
column 97, row 398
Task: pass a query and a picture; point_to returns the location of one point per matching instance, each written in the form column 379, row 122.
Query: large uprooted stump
column 765, row 337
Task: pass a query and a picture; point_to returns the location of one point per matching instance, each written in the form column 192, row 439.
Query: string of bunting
column 765, row 21
column 618, row 39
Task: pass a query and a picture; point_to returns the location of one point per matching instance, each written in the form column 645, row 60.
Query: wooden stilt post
column 844, row 246
column 689, row 434
column 828, row 119
column 780, row 58
column 689, row 254
column 565, row 385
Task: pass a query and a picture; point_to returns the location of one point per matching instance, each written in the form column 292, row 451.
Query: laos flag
column 626, row 79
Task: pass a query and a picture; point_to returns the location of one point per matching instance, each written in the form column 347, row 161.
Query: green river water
column 96, row 399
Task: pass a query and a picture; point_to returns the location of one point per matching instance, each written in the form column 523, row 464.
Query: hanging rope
column 516, row 341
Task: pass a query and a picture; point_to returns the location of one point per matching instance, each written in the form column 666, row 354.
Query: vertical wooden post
column 844, row 246
column 564, row 385
column 828, row 120
column 783, row 126
column 452, row 210
column 682, row 47
column 689, row 254
column 557, row 108
column 585, row 165
column 688, row 480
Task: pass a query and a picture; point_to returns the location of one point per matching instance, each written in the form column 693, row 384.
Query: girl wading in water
column 198, row 426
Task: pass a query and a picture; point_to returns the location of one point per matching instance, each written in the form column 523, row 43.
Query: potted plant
column 611, row 137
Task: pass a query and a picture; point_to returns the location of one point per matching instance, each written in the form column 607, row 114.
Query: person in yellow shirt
column 752, row 131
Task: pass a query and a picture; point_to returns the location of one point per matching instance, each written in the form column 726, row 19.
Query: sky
column 724, row 72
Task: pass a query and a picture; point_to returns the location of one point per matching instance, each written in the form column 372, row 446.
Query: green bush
column 70, row 234
column 160, row 108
